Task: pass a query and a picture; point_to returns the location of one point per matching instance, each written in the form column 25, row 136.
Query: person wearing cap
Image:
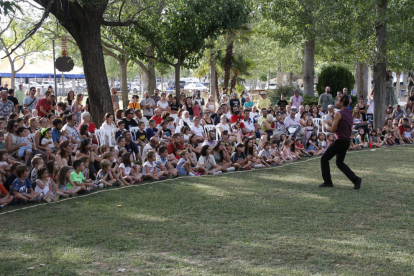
column 20, row 95
column 129, row 119
column 296, row 100
column 264, row 102
column 399, row 113
column 342, row 127
column 325, row 99
column 44, row 106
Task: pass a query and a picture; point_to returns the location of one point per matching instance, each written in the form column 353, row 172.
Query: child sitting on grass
column 266, row 154
column 105, row 176
column 5, row 197
column 361, row 139
column 65, row 184
column 22, row 188
column 77, row 177
column 163, row 165
column 184, row 165
column 374, row 140
column 300, row 149
column 239, row 159
column 44, row 186
column 354, row 145
column 37, row 163
column 289, row 156
column 149, row 169
column 130, row 171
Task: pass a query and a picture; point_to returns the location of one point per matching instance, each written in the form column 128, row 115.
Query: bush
column 310, row 100
column 337, row 78
column 274, row 94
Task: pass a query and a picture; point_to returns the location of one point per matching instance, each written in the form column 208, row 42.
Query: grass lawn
column 264, row 222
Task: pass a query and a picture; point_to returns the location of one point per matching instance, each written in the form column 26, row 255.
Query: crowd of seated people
column 53, row 151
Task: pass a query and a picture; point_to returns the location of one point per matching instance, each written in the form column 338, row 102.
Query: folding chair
column 207, row 129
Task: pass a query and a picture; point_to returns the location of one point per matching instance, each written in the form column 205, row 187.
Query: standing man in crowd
column 345, row 92
column 31, row 101
column 147, row 106
column 264, row 102
column 12, row 98
column 325, row 99
column 156, row 97
column 6, row 106
column 342, row 126
column 19, row 94
column 296, row 100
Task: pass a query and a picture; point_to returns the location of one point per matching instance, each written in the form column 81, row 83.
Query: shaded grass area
column 264, row 222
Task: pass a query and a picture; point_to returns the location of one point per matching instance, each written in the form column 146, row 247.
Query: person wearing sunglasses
column 31, row 100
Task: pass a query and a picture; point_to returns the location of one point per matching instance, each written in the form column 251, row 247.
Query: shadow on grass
column 264, row 222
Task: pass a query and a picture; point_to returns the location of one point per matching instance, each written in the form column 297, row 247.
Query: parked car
column 271, row 86
column 136, row 88
column 196, row 86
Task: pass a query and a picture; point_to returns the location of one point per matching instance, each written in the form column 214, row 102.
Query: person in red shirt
column 405, row 121
column 44, row 106
column 175, row 143
column 157, row 117
column 237, row 116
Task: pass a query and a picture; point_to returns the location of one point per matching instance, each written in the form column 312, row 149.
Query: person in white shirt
column 198, row 130
column 139, row 118
column 293, row 121
column 150, row 146
column 70, row 128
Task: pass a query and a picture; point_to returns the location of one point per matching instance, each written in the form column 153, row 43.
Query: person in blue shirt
column 57, row 126
column 152, row 130
column 22, row 187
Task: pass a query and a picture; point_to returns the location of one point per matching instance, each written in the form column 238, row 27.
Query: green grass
column 265, row 222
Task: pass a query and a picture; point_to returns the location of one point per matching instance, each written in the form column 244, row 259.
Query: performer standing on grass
column 342, row 126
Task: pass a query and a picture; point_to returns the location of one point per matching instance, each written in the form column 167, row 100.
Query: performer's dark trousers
column 338, row 148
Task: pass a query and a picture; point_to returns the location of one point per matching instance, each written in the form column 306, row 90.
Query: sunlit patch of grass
column 261, row 222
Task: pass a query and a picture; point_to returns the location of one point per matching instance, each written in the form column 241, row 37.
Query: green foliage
column 274, row 94
column 337, row 77
column 310, row 100
column 263, row 78
column 8, row 7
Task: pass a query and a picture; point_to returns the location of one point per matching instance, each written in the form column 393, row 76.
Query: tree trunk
column 213, row 74
column 361, row 80
column 217, row 88
column 398, row 85
column 279, row 78
column 309, row 67
column 380, row 72
column 84, row 24
column 233, row 82
column 227, row 64
column 291, row 78
column 177, row 79
column 123, row 64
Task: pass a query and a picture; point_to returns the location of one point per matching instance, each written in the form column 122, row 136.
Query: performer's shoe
column 323, row 185
column 357, row 183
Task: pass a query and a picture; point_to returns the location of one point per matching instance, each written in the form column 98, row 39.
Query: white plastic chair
column 134, row 131
column 207, row 129
column 319, row 123
column 101, row 136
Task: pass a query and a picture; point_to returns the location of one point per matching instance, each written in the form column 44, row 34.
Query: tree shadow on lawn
column 182, row 228
column 224, row 225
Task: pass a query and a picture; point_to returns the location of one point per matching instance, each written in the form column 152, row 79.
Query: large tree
column 83, row 20
column 180, row 33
